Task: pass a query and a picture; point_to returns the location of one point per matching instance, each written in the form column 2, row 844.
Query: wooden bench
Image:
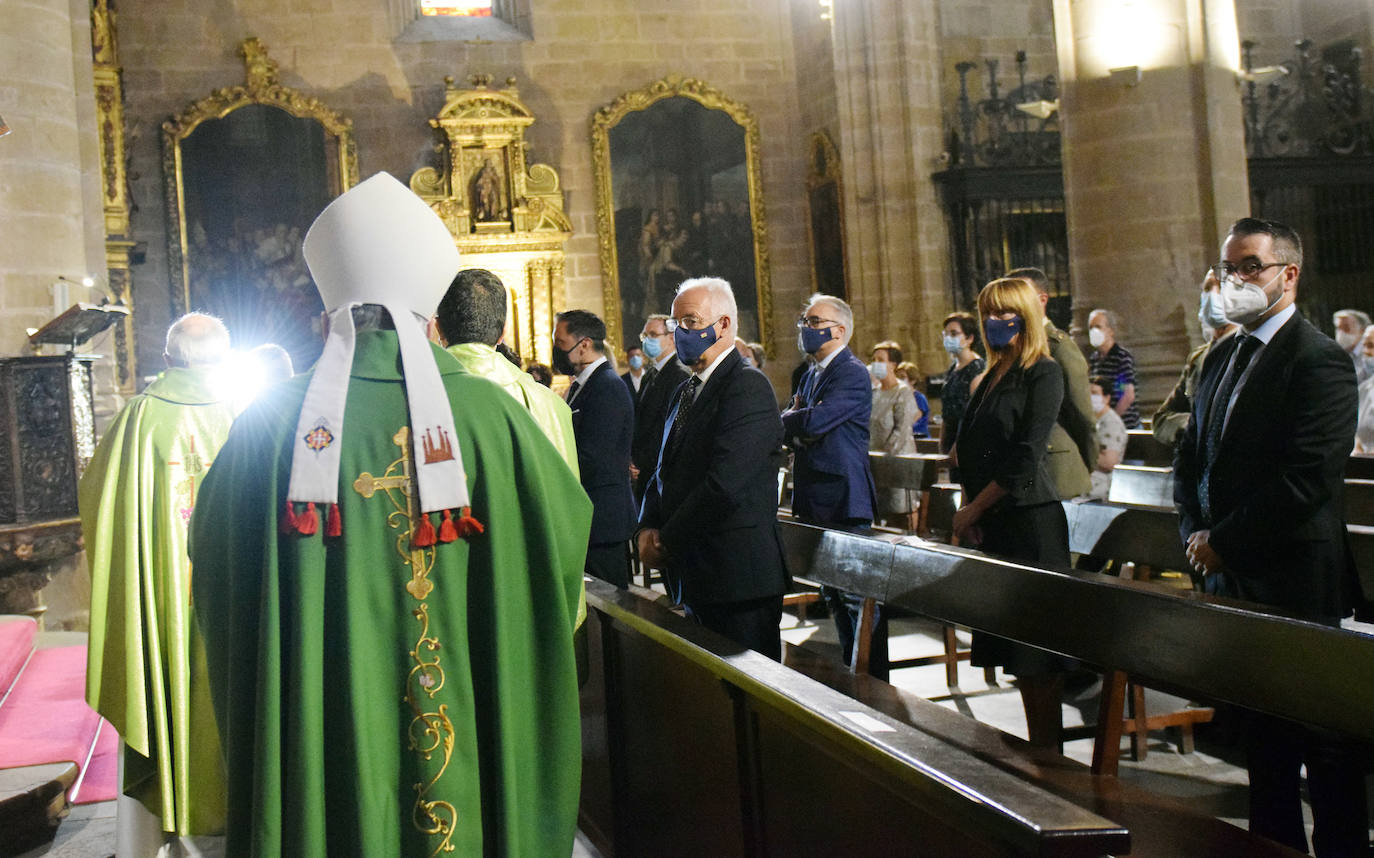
column 1143, row 449
column 1144, row 485
column 1145, row 538
column 692, row 746
column 929, row 446
column 1360, row 467
column 1359, row 501
column 1181, row 641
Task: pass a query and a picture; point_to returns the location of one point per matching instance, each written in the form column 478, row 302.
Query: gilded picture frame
column 643, row 143
column 246, row 169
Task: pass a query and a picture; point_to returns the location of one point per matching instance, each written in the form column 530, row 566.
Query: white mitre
column 378, row 244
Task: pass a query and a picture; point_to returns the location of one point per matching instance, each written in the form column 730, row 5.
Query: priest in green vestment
column 146, row 664
column 470, row 322
column 390, row 654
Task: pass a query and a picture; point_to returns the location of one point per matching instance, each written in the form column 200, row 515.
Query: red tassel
column 309, row 521
column 424, row 533
column 334, row 526
column 288, row 519
column 448, row 531
column 467, row 525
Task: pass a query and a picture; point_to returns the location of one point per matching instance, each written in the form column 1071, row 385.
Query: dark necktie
column 1216, row 418
column 685, row 398
column 572, row 390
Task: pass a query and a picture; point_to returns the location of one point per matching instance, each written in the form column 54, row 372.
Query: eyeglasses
column 1247, row 269
column 689, row 323
column 814, row 322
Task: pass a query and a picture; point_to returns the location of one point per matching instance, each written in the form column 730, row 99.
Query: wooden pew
column 1359, row 501
column 1360, row 467
column 1145, row 485
column 930, row 446
column 1143, row 449
column 1146, row 538
column 694, row 747
column 1199, row 645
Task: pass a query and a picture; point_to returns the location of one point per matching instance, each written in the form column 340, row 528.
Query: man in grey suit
column 1072, row 451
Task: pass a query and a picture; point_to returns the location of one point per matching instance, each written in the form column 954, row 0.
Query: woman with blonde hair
column 1011, row 507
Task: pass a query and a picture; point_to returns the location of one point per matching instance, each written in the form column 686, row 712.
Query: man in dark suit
column 1258, row 485
column 636, row 375
column 603, row 423
column 827, row 429
column 711, row 507
column 665, row 373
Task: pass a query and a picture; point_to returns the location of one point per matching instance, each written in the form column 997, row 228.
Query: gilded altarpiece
column 114, row 185
column 505, row 215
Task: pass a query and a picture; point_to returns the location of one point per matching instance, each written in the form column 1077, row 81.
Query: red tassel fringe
column 424, row 533
column 288, row 519
column 334, row 524
column 309, row 521
column 448, row 532
column 467, row 525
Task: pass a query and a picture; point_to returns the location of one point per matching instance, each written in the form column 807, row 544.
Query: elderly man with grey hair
column 1113, row 363
column 1350, row 328
column 146, row 664
column 709, row 518
column 827, row 429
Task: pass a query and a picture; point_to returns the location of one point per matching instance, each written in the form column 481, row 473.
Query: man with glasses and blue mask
column 827, row 429
column 1258, row 486
column 661, row 379
column 710, row 513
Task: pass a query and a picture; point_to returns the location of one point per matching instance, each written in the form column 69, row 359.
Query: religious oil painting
column 244, row 185
column 678, row 197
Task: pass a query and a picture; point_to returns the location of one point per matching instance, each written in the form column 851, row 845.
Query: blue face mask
column 878, row 370
column 652, row 347
column 1211, row 314
column 636, row 361
column 1000, row 332
column 691, row 345
column 813, row 338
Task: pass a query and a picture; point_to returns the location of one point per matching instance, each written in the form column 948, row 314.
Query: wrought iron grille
column 1308, row 106
column 1019, row 129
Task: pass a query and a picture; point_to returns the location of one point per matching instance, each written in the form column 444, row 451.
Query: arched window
column 456, row 8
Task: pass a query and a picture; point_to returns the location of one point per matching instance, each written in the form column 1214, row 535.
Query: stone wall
column 582, row 56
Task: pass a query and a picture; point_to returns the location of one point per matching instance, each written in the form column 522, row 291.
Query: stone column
column 50, row 212
column 1154, row 165
column 887, row 64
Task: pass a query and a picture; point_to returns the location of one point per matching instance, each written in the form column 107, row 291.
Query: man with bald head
column 146, row 665
column 709, row 518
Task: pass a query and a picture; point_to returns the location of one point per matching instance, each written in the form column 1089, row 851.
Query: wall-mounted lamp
column 4, row 129
column 1039, row 109
column 1125, row 76
column 1263, row 74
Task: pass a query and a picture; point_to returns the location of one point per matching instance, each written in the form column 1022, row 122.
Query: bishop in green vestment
column 379, row 699
column 146, row 665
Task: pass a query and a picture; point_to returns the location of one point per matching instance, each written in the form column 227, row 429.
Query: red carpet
column 45, row 719
column 16, row 642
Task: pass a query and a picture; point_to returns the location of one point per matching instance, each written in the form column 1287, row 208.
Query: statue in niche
column 486, row 194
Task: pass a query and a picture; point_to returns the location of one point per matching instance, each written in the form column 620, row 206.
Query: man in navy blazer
column 603, row 420
column 710, row 514
column 1258, row 481
column 827, row 429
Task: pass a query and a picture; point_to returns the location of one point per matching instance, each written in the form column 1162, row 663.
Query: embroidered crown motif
column 319, row 438
column 442, row 452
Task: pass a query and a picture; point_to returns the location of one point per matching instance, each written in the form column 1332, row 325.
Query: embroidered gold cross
column 399, row 484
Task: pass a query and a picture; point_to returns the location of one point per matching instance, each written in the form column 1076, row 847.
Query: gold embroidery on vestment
column 429, row 731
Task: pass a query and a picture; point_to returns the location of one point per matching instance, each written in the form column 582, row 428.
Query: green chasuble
column 546, row 407
column 146, row 663
column 378, row 699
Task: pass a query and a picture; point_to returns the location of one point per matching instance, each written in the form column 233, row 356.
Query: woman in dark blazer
column 1011, row 507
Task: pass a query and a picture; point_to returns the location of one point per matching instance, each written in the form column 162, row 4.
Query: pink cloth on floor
column 46, row 720
column 16, row 642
